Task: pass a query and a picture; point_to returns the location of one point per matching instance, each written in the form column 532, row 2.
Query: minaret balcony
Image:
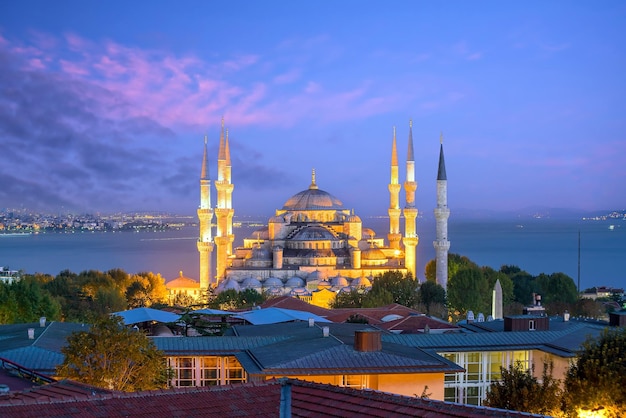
column 442, row 212
column 443, row 245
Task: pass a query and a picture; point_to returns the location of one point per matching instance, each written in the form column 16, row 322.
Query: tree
column 557, row 287
column 232, row 299
column 597, row 381
column 403, row 290
column 519, row 390
column 468, row 290
column 431, row 293
column 505, row 282
column 112, row 356
column 523, row 284
column 145, row 289
column 430, row 271
column 351, row 299
column 26, row 300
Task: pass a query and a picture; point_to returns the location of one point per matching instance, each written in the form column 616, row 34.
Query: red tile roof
column 416, row 323
column 246, row 400
column 288, row 302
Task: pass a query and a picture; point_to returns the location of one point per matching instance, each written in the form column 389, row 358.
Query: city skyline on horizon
column 104, row 107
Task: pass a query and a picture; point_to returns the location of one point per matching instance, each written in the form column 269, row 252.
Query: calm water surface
column 536, row 245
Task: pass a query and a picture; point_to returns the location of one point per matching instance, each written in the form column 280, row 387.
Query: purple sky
column 104, row 105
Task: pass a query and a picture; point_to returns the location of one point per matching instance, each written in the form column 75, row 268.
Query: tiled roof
column 212, row 345
column 312, row 353
column 275, row 315
column 373, row 315
column 51, row 337
column 288, row 302
column 307, row 399
column 415, row 323
column 567, row 342
column 35, row 358
column 135, row 316
column 57, row 391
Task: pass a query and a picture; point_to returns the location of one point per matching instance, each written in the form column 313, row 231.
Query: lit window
column 357, row 381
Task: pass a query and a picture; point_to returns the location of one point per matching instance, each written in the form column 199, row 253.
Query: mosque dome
column 316, row 275
column 251, row 283
column 295, row 282
column 182, row 282
column 260, row 253
column 339, row 281
column 313, row 198
column 272, row 282
column 231, row 284
column 361, row 282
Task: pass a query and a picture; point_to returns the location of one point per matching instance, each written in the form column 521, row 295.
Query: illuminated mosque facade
column 313, row 247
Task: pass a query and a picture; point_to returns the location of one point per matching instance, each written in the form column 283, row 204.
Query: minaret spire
column 442, row 212
column 410, row 239
column 224, row 211
column 205, row 216
column 394, row 235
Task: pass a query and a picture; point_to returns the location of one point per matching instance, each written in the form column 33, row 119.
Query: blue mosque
column 313, row 246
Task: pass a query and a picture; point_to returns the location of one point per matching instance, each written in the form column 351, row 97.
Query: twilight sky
column 104, row 105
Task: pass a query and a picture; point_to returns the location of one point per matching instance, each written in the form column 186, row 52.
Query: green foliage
column 598, row 379
column 430, row 271
column 26, row 300
column 145, row 289
column 556, row 287
column 468, row 290
column 390, row 287
column 231, row 299
column 519, row 390
column 402, row 288
column 351, row 299
column 505, row 282
column 524, row 287
column 430, row 294
column 380, row 297
column 112, row 356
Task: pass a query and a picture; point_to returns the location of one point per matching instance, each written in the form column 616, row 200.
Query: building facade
column 312, row 244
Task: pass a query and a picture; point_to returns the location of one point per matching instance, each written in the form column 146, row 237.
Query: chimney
column 42, row 322
column 368, row 340
column 325, row 331
column 31, row 333
column 311, row 322
column 565, row 316
column 538, row 300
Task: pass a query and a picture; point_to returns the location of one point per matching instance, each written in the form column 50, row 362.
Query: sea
column 593, row 251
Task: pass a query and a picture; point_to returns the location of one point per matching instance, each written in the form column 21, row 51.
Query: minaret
column 410, row 239
column 224, row 209
column 205, row 216
column 394, row 235
column 441, row 244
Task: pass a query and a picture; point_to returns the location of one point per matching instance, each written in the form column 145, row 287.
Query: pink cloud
column 185, row 90
column 72, row 68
